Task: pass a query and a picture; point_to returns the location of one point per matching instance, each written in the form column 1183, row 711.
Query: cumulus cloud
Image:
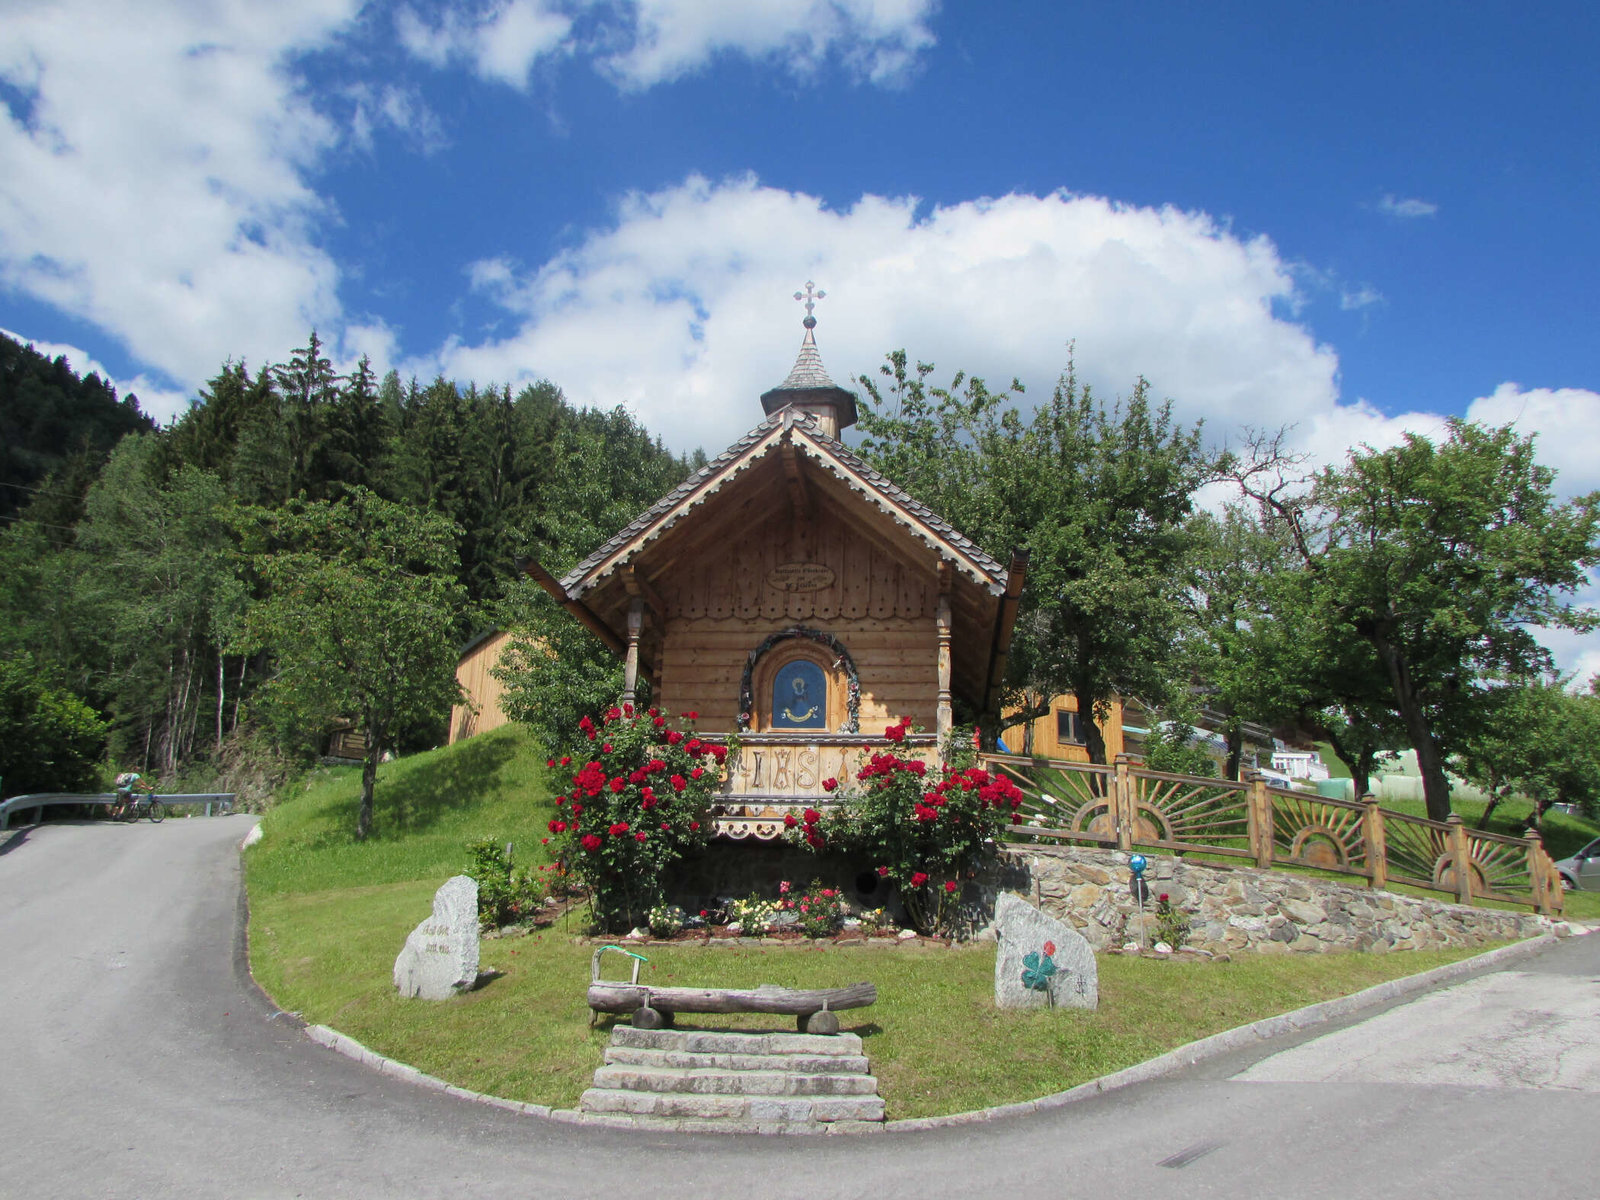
column 699, row 276
column 158, row 401
column 152, row 177
column 1566, row 420
column 641, row 43
column 1407, row 207
column 502, row 41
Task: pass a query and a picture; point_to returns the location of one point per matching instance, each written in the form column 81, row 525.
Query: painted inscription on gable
column 800, row 577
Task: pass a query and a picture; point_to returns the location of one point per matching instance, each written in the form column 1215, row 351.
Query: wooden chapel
column 790, row 594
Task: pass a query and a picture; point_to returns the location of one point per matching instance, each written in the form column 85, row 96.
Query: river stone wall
column 1243, row 908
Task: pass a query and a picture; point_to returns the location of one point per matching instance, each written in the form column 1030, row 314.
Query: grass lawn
column 329, row 914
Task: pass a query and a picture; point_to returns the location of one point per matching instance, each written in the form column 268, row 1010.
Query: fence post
column 1122, row 804
column 1259, row 802
column 1460, row 857
column 1538, row 878
column 1377, row 841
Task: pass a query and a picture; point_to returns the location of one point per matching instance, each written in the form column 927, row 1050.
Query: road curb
column 1173, row 1061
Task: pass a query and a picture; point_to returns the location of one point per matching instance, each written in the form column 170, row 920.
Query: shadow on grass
column 416, row 796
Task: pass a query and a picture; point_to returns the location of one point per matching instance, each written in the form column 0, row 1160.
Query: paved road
column 136, row 1060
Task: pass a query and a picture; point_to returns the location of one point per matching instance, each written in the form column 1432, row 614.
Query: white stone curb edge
column 1173, row 1061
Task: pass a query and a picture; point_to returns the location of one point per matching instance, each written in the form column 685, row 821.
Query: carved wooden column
column 945, row 718
column 630, row 670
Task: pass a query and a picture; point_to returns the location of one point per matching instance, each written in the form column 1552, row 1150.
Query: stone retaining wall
column 1243, row 908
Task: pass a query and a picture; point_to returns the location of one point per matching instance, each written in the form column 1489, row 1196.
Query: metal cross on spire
column 810, row 296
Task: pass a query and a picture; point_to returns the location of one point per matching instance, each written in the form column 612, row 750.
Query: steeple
column 808, row 387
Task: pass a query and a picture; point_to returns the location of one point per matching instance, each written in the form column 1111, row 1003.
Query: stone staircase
column 725, row 1082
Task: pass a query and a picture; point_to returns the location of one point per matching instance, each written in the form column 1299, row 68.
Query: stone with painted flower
column 1040, row 962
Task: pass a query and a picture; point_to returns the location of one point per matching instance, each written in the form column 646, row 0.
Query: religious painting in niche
column 799, row 696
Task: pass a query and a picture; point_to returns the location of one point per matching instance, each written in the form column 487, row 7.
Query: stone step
column 709, row 1081
column 693, row 1106
column 809, row 1064
column 727, row 1125
column 703, row 1041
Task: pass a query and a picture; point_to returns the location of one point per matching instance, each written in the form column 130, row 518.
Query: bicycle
column 132, row 800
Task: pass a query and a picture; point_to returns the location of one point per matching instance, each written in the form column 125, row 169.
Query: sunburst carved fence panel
column 1129, row 807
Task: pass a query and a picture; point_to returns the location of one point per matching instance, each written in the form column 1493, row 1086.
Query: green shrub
column 506, row 894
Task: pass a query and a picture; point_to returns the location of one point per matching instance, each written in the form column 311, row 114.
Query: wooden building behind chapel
column 789, row 593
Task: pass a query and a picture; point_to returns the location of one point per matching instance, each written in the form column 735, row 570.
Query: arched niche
column 781, row 675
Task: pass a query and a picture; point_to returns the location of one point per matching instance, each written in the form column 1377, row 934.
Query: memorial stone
column 440, row 958
column 1040, row 962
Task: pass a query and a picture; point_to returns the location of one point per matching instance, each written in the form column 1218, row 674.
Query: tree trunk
column 1435, row 785
column 1235, row 749
column 369, row 780
column 1093, row 740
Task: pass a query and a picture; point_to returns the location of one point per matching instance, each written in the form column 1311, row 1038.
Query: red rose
column 576, row 809
column 647, row 803
column 557, row 827
column 591, row 842
column 659, row 721
column 674, row 737
column 788, row 821
column 665, row 826
column 895, row 733
column 628, row 709
column 560, row 800
column 549, row 762
column 618, row 784
column 1049, row 949
column 694, row 824
column 697, row 772
column 950, row 886
column 829, row 784
column 585, row 724
column 655, row 712
column 605, row 748
column 705, row 912
column 544, row 842
column 619, row 828
column 812, row 816
column 679, row 783
column 566, row 760
column 919, row 878
column 883, row 872
column 639, row 837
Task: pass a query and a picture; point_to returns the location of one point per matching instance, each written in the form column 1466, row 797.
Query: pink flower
column 783, row 888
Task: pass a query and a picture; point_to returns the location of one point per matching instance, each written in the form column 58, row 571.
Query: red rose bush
column 636, row 804
column 921, row 826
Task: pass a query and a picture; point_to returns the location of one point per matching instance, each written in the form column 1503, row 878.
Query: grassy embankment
column 328, row 916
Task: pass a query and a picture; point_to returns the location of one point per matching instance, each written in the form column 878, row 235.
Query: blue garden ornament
column 1137, row 864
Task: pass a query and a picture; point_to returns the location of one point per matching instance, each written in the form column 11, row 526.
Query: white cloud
column 156, row 400
column 157, row 187
column 879, row 39
column 699, row 276
column 1408, row 207
column 1566, row 420
column 502, row 41
column 641, row 43
column 1355, row 299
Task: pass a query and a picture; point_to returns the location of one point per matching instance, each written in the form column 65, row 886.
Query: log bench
column 654, row 1007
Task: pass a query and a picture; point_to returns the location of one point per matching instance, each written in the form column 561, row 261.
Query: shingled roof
column 710, row 476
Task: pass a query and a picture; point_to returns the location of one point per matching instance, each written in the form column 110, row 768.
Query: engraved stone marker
column 1040, row 962
column 440, row 958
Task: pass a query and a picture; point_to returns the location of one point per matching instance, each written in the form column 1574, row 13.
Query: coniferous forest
column 136, row 562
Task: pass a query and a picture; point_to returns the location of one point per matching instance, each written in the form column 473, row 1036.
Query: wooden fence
column 1129, row 807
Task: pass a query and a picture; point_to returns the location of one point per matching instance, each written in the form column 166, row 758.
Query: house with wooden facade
column 480, row 709
column 789, row 594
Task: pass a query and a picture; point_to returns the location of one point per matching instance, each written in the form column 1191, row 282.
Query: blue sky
column 1358, row 218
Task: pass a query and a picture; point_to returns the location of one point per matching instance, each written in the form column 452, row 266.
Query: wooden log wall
column 480, row 687
column 879, row 604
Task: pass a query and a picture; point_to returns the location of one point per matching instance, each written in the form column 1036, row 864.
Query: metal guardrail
column 221, row 802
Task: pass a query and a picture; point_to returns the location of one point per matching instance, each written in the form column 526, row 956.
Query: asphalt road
column 137, row 1060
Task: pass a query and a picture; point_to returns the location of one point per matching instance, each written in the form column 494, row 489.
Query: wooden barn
column 480, row 710
column 790, row 593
